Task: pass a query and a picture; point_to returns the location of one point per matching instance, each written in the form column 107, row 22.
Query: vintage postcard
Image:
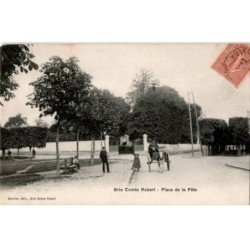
column 153, row 123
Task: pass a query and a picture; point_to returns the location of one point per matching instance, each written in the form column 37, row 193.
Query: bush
column 4, row 138
column 21, row 137
column 126, row 150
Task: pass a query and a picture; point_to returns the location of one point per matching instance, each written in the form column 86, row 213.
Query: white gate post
column 145, row 142
column 106, row 142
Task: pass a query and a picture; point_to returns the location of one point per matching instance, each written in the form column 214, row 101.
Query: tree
column 58, row 91
column 161, row 113
column 4, row 140
column 37, row 136
column 214, row 134
column 122, row 116
column 142, row 83
column 106, row 113
column 14, row 58
column 16, row 121
column 238, row 132
column 41, row 123
column 21, row 137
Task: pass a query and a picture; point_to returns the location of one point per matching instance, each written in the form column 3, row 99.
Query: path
column 206, row 180
column 214, row 181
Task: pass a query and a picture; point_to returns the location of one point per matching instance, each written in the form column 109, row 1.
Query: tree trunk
column 18, row 152
column 101, row 139
column 239, row 150
column 201, row 148
column 92, row 152
column 133, row 145
column 77, row 142
column 57, row 148
column 209, row 150
column 3, row 153
column 30, row 153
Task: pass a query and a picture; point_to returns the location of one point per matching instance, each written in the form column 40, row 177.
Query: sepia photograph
column 125, row 123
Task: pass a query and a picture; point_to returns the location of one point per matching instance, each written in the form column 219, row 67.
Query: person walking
column 136, row 164
column 104, row 158
column 33, row 153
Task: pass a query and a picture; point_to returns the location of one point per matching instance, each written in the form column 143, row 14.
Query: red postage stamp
column 234, row 63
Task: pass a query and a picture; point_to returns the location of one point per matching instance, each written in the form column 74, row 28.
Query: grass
column 14, row 157
column 10, row 167
column 19, row 180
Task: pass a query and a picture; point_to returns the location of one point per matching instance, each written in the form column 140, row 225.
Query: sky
column 185, row 67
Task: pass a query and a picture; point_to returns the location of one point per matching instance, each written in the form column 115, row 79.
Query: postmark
column 234, row 63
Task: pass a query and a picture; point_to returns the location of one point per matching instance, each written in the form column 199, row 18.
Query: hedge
column 126, row 150
column 238, row 131
column 21, row 137
column 214, row 132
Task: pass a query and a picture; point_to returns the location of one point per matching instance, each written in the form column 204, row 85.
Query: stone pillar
column 145, row 142
column 106, row 142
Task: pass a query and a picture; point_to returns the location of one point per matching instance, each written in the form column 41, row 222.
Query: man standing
column 104, row 158
column 33, row 153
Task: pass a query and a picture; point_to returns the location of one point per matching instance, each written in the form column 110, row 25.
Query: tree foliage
column 41, row 123
column 60, row 91
column 16, row 121
column 21, row 137
column 4, row 138
column 238, row 130
column 214, row 132
column 60, row 88
column 142, row 83
column 100, row 111
column 162, row 114
column 14, row 58
column 107, row 113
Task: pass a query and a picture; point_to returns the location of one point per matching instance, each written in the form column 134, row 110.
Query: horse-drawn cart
column 160, row 157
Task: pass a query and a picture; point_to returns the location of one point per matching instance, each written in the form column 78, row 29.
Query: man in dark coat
column 136, row 164
column 33, row 153
column 104, row 158
column 153, row 148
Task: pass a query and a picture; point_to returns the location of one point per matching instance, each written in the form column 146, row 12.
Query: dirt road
column 198, row 180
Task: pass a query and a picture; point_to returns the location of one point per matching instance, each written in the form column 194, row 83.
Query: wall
column 67, row 146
